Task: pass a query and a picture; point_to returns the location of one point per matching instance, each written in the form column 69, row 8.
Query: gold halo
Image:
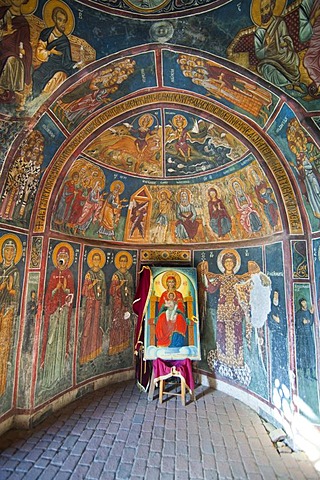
column 115, row 183
column 250, row 175
column 179, row 116
column 123, row 254
column 165, row 190
column 18, row 246
column 171, row 273
column 55, row 253
column 256, row 13
column 178, row 194
column 216, row 188
column 146, row 116
column 223, row 253
column 238, row 180
column 29, row 7
column 93, row 252
column 47, row 14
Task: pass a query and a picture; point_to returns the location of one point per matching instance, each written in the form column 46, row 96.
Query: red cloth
column 162, row 369
column 140, row 302
column 165, row 329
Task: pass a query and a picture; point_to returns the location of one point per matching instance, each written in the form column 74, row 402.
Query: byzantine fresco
column 103, row 86
column 276, row 329
column 303, row 156
column 37, row 54
column 245, row 34
column 191, row 145
column 138, row 163
column 32, row 307
column 243, row 319
column 105, row 335
column 94, row 203
column 306, row 359
column 132, row 146
column 12, row 267
column 20, row 184
column 236, row 301
column 8, row 131
column 300, row 267
column 57, row 329
column 213, row 80
column 282, row 47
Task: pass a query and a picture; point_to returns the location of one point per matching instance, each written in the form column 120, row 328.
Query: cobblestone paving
column 115, row 433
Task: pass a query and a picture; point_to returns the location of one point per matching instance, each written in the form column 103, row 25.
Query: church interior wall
column 165, row 143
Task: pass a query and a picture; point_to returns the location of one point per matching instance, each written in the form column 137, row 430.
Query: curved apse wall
column 105, row 168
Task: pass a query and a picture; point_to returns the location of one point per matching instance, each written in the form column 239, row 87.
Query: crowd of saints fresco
column 99, row 328
column 164, row 132
column 94, row 205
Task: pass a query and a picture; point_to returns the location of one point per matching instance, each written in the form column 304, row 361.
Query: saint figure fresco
column 93, row 307
column 57, row 318
column 10, row 254
column 243, row 303
column 121, row 296
column 53, row 50
column 15, row 53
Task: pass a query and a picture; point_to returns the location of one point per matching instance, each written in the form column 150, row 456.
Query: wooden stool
column 162, row 384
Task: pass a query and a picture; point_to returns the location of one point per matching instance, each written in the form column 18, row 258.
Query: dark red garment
column 56, row 298
column 140, row 303
column 10, row 44
column 162, row 370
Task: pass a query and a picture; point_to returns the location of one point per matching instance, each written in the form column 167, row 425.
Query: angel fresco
column 10, row 255
column 241, row 299
column 180, row 137
column 193, row 145
column 15, row 52
column 91, row 94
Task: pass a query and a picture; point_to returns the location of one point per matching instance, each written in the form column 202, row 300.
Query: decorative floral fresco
column 159, row 132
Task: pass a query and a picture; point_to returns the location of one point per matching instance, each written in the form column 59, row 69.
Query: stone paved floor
column 115, row 433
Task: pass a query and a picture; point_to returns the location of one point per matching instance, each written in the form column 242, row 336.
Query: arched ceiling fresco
column 191, row 108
